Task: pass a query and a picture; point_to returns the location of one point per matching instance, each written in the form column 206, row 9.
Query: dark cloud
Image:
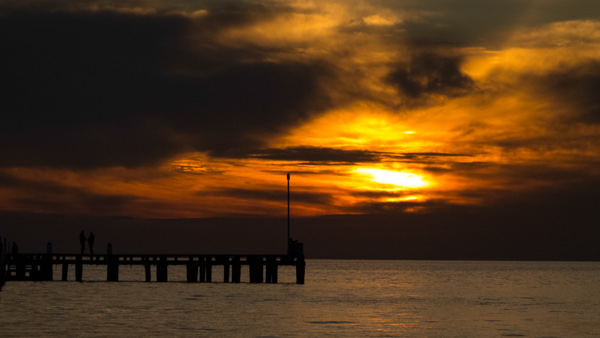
column 476, row 23
column 575, row 86
column 429, row 73
column 272, row 195
column 91, row 89
column 388, row 208
column 319, row 155
column 325, row 156
column 44, row 196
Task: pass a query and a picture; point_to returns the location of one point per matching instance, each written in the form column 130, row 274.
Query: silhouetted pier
column 199, row 267
column 15, row 266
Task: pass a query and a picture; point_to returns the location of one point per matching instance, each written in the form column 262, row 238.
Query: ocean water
column 340, row 299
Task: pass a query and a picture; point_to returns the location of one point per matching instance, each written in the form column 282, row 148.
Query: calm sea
column 340, row 299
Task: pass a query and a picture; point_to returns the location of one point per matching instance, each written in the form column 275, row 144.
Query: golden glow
column 400, row 179
column 411, row 198
column 446, row 148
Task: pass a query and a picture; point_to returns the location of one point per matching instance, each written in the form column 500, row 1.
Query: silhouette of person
column 82, row 241
column 91, row 242
column 15, row 248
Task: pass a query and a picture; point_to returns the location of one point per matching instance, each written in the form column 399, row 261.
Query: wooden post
column 269, row 271
column 202, row 267
column 256, row 269
column 65, row 271
column 46, row 267
column 300, row 269
column 192, row 271
column 236, row 269
column 208, row 268
column 271, row 274
column 226, row 270
column 78, row 269
column 161, row 270
column 34, row 273
column 20, row 266
column 147, row 269
column 112, row 268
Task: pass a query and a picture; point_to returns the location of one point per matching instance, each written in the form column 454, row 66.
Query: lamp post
column 289, row 210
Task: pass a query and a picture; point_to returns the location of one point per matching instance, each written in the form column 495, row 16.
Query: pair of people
column 90, row 241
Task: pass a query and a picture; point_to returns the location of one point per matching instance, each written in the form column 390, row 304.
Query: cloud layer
column 194, row 109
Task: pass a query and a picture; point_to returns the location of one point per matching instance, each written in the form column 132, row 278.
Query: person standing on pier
column 91, row 242
column 82, row 241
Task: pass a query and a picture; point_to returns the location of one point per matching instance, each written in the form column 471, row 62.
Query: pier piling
column 256, row 269
column 46, row 273
column 147, row 269
column 271, row 273
column 192, row 271
column 236, row 270
column 226, row 271
column 161, row 270
column 300, row 269
column 208, row 269
column 78, row 269
column 112, row 268
column 202, row 267
column 65, row 271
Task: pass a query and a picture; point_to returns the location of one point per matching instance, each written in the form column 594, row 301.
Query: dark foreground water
column 339, row 299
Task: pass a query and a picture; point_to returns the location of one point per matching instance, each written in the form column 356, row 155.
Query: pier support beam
column 271, row 273
column 256, row 269
column 208, row 268
column 192, row 271
column 226, row 271
column 112, row 268
column 46, row 267
column 147, row 269
column 202, row 267
column 300, row 269
column 78, row 269
column 65, row 271
column 161, row 270
column 34, row 273
column 236, row 269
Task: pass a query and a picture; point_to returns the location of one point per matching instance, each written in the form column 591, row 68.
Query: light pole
column 289, row 210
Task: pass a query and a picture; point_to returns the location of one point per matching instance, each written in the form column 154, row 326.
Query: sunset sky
column 194, row 109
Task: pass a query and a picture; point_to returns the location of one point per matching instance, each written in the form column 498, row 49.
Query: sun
column 401, row 179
